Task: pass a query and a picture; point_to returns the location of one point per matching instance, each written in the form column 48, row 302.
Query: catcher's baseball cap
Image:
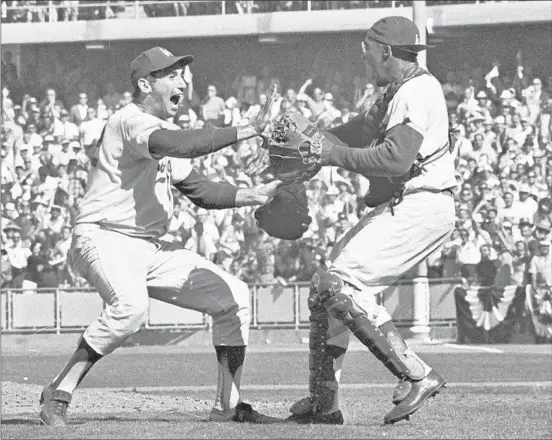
column 154, row 59
column 398, row 32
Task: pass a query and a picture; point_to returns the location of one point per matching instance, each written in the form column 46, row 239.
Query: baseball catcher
column 401, row 145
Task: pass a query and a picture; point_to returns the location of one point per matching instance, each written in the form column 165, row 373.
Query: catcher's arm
column 394, row 156
column 351, row 133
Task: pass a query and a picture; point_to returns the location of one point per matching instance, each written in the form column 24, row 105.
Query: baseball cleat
column 54, row 404
column 310, row 418
column 243, row 413
column 420, row 391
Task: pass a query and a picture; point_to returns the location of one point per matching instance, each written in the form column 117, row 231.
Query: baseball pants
column 381, row 247
column 126, row 271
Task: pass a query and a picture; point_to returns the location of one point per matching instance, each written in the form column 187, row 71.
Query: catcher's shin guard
column 323, row 383
column 342, row 307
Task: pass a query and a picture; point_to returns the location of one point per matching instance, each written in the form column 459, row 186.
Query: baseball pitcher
column 127, row 208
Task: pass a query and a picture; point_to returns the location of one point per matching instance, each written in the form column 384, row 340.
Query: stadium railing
column 273, row 306
column 91, row 10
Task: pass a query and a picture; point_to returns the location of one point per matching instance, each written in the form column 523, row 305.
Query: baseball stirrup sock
column 230, row 365
column 77, row 367
column 414, row 362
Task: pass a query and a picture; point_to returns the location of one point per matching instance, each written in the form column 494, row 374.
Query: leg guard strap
column 342, row 307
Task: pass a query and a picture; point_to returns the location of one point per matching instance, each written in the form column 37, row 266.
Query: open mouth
column 177, row 98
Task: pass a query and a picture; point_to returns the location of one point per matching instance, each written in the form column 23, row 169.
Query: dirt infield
column 167, row 393
column 21, row 399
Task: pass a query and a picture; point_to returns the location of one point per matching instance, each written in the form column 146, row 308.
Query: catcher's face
column 375, row 55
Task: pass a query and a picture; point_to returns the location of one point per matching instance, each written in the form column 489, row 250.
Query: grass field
column 494, row 392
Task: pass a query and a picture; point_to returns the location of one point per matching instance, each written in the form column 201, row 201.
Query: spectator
column 462, row 146
column 316, row 105
column 266, row 81
column 540, row 268
column 541, row 232
column 212, row 109
column 536, row 99
column 232, row 114
column 330, row 113
column 50, row 105
column 520, row 263
column 6, row 276
column 486, row 269
column 17, row 255
column 265, row 256
column 127, row 99
column 544, row 210
column 369, row 96
column 333, row 235
column 71, row 10
column 185, row 117
column 112, row 98
column 91, row 128
column 9, row 69
column 70, row 130
column 184, row 122
column 79, row 112
column 525, row 207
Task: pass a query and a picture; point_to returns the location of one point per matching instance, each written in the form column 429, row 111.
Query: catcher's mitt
column 294, row 148
column 286, row 216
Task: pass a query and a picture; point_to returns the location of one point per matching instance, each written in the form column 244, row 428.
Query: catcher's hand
column 286, row 216
column 295, row 148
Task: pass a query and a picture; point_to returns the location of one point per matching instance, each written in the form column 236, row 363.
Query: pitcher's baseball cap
column 154, row 59
column 398, row 32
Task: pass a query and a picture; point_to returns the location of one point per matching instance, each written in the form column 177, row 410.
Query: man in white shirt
column 462, row 145
column 526, row 206
column 212, row 110
column 508, row 212
column 70, row 130
column 540, row 267
column 91, row 129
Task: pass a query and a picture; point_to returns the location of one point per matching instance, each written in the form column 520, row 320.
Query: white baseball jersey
column 128, row 190
column 421, row 101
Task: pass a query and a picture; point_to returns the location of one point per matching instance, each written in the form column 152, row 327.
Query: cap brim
column 176, row 62
column 407, row 47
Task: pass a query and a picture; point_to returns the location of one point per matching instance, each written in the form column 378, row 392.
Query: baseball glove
column 286, row 216
column 294, row 148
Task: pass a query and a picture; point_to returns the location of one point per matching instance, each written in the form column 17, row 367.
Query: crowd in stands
column 73, row 10
column 501, row 124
